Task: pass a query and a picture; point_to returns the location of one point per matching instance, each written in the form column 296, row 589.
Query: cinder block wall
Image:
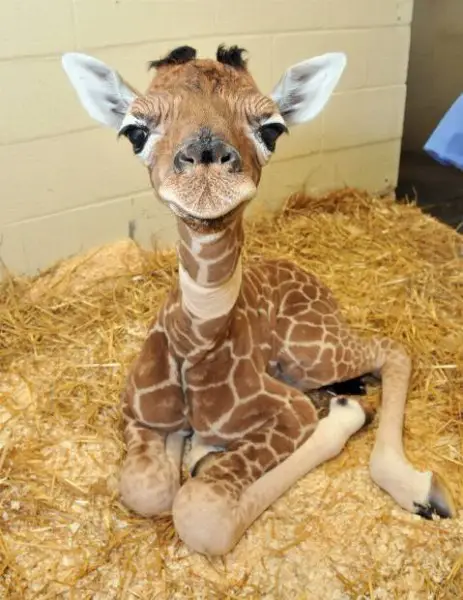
column 436, row 73
column 66, row 183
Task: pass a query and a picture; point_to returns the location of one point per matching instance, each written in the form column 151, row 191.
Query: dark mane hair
column 177, row 56
column 232, row 56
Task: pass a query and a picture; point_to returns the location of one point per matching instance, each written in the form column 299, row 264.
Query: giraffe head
column 203, row 129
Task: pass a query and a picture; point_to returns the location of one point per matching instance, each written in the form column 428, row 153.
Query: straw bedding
column 66, row 340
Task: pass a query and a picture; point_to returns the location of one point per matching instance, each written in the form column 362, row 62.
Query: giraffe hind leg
column 347, row 357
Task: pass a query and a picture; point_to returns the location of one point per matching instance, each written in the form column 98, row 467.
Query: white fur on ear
column 100, row 89
column 306, row 87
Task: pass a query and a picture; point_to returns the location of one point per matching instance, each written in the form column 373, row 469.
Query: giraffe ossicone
column 233, row 351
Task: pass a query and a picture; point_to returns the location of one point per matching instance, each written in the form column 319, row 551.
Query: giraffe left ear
column 306, row 87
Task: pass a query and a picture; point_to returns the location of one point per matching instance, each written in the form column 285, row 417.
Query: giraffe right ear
column 100, row 89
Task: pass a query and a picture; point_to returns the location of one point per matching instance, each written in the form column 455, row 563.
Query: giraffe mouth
column 206, row 197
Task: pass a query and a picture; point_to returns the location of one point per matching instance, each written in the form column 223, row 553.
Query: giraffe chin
column 209, row 206
column 207, row 225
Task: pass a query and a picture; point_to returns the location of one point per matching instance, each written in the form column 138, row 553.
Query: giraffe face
column 206, row 133
column 203, row 129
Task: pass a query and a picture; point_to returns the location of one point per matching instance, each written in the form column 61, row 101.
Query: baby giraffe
column 233, row 351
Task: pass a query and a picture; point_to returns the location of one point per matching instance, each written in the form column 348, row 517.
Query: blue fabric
column 446, row 142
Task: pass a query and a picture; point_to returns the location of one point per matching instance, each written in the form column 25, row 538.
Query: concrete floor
column 437, row 189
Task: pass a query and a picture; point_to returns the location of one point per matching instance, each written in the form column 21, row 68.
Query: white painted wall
column 68, row 185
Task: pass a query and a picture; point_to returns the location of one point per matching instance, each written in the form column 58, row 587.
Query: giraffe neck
column 210, row 270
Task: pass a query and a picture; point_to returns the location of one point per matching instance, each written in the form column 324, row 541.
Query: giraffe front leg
column 231, row 490
column 150, row 476
column 153, row 411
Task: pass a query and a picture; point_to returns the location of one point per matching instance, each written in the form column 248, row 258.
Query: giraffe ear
column 306, row 87
column 99, row 88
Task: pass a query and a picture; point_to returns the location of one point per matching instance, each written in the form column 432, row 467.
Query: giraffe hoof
column 439, row 502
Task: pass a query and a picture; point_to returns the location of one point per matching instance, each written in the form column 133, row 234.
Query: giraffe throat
column 208, row 303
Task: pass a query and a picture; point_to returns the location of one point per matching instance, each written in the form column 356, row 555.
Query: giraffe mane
column 232, row 56
column 177, row 56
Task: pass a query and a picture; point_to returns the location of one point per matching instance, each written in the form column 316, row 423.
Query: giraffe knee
column 148, row 489
column 204, row 519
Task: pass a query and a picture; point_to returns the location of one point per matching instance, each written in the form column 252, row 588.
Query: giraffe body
column 234, row 349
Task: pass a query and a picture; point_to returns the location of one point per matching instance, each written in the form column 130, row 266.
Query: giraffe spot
column 251, row 412
column 320, row 307
column 283, row 326
column 188, row 261
column 142, row 448
column 152, row 365
column 310, row 291
column 162, row 407
column 324, row 371
column 304, row 410
column 272, row 275
column 306, row 355
column 329, row 320
column 295, row 297
column 216, row 248
column 327, row 354
column 266, row 458
column 211, row 328
column 288, row 423
column 246, row 378
column 281, row 444
column 295, row 310
column 301, row 276
column 209, row 404
column 285, row 271
column 184, row 232
column 330, row 338
column 256, row 471
column 306, row 332
column 258, row 437
column 240, row 333
column 222, row 268
column 234, row 462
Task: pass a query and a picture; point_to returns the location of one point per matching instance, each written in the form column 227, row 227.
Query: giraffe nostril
column 182, row 161
column 214, row 152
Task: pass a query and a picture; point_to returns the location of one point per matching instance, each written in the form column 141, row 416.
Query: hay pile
column 66, row 339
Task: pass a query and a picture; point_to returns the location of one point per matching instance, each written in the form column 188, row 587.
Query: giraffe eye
column 137, row 136
column 269, row 133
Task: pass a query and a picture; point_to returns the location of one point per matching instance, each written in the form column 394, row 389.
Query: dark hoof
column 440, row 501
